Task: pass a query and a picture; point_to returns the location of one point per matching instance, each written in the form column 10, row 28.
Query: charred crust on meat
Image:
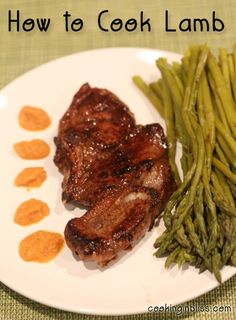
column 118, row 169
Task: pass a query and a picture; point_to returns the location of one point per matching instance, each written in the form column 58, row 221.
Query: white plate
column 138, row 279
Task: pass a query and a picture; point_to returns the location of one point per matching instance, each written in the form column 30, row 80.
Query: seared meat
column 129, row 163
column 115, row 224
column 94, row 104
column 118, row 169
column 95, row 122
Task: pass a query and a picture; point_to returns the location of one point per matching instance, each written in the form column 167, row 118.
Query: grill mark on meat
column 114, row 225
column 93, row 104
column 133, row 157
column 118, row 169
column 92, row 127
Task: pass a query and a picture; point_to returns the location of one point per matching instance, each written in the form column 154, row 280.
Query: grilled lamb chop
column 94, row 124
column 128, row 190
column 94, row 104
column 91, row 128
column 118, row 169
column 129, row 163
column 115, row 224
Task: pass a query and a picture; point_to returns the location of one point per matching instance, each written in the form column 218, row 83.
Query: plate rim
column 57, row 59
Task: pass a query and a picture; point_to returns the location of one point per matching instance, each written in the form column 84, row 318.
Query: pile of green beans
column 197, row 99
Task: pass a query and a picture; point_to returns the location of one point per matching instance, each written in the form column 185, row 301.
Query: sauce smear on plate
column 41, row 246
column 32, row 150
column 31, row 177
column 33, row 118
column 31, row 211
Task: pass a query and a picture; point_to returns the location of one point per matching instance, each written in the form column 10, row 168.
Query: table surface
column 22, row 51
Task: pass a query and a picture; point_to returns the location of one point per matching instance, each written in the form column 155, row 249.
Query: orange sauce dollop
column 31, row 211
column 41, row 246
column 33, row 118
column 31, row 177
column 32, row 150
